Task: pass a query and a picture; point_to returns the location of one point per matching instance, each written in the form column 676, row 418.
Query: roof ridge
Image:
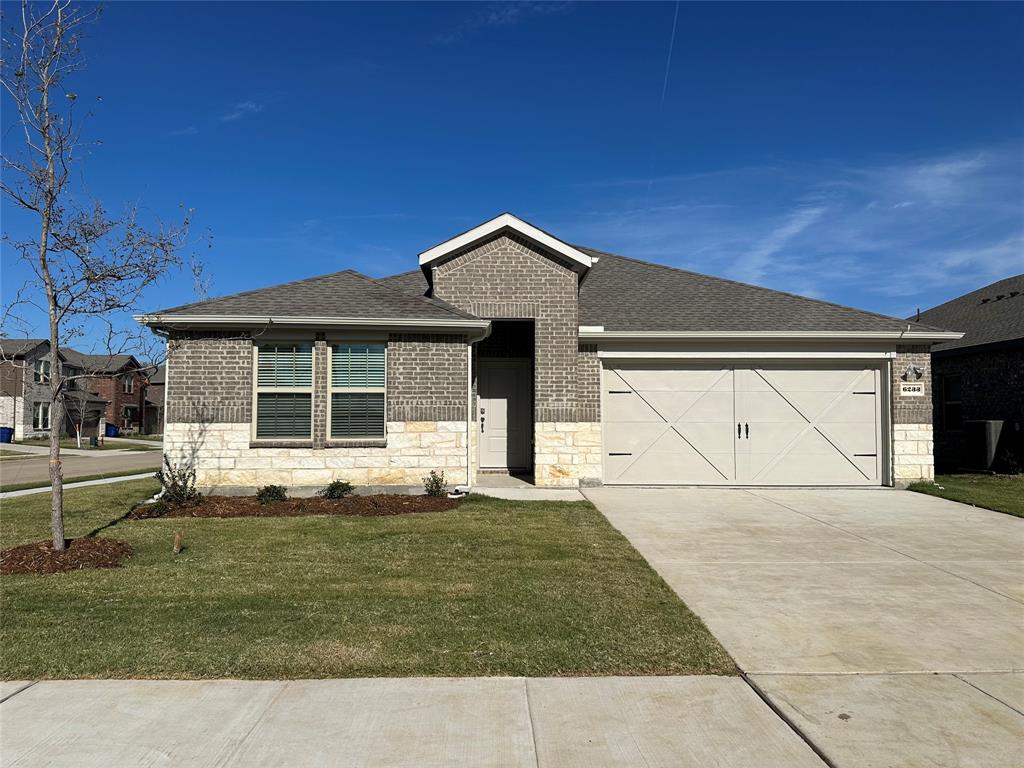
column 257, row 290
column 758, row 288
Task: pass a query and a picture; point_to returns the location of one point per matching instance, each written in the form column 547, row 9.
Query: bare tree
column 87, row 264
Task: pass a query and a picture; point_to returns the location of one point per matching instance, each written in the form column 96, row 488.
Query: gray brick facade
column 912, row 410
column 426, row 377
column 588, row 378
column 209, row 378
column 505, row 278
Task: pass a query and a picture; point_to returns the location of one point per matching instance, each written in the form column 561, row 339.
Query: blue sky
column 868, row 154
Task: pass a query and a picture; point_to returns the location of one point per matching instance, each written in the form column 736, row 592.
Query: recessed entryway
column 504, row 370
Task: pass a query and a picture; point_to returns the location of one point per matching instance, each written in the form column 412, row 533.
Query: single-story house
column 980, row 378
column 510, row 350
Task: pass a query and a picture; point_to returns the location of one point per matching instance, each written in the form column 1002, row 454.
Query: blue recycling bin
column 6, row 434
column 113, row 430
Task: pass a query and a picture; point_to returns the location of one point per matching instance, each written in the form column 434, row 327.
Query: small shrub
column 178, row 483
column 434, row 484
column 337, row 489
column 268, row 494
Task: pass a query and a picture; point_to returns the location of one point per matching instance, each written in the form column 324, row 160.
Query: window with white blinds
column 284, row 391
column 358, row 384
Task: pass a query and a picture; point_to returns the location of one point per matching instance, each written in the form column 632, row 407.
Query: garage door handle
column 746, row 428
column 739, row 431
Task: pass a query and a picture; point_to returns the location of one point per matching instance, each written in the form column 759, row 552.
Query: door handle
column 739, row 430
column 746, row 427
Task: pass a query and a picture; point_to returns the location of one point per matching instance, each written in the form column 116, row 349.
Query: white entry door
column 505, row 417
column 800, row 424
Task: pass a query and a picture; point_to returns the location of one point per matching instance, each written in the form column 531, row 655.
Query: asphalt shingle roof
column 623, row 294
column 96, row 363
column 986, row 316
column 346, row 294
column 14, row 347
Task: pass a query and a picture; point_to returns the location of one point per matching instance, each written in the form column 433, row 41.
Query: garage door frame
column 881, row 362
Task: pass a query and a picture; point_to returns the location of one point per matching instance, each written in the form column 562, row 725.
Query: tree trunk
column 56, row 421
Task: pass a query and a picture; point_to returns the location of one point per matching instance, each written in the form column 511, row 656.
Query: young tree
column 88, row 265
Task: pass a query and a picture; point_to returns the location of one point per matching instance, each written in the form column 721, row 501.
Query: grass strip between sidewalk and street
column 44, row 483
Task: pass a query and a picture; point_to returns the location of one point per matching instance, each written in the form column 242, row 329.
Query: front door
column 504, row 413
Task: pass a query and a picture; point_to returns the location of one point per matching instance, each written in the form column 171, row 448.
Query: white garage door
column 796, row 424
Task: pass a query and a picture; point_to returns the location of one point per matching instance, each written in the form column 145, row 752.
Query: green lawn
column 492, row 588
column 1003, row 493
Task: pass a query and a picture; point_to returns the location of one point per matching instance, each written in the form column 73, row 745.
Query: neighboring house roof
column 338, row 296
column 98, row 363
column 10, row 348
column 988, row 315
column 627, row 295
column 159, row 375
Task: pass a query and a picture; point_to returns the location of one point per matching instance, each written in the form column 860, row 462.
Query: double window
column 128, row 384
column 355, row 396
column 40, row 416
column 41, row 371
column 357, row 391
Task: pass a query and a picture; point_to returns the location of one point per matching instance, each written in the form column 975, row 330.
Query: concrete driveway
column 887, row 626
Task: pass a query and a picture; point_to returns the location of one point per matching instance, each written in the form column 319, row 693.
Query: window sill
column 364, row 443
column 281, row 444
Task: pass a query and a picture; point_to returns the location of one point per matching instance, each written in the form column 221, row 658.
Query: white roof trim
column 360, row 322
column 697, row 335
column 506, row 220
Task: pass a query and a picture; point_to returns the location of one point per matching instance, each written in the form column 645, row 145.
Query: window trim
column 37, row 407
column 257, row 389
column 331, row 390
column 38, row 377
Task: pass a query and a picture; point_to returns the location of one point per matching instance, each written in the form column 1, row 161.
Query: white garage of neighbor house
column 509, row 350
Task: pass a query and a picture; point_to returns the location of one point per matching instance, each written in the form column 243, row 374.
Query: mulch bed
column 87, row 552
column 378, row 505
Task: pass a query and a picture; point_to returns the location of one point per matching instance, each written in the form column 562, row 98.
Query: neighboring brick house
column 153, row 422
column 980, row 378
column 511, row 351
column 120, row 380
column 26, row 393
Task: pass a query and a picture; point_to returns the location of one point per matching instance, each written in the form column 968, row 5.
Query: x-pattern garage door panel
column 802, row 425
column 669, row 423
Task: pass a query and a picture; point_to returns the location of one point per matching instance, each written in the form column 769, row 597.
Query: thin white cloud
column 241, row 109
column 752, row 266
column 189, row 130
column 885, row 236
column 494, row 15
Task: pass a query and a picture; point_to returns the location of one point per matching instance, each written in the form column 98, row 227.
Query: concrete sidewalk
column 658, row 722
